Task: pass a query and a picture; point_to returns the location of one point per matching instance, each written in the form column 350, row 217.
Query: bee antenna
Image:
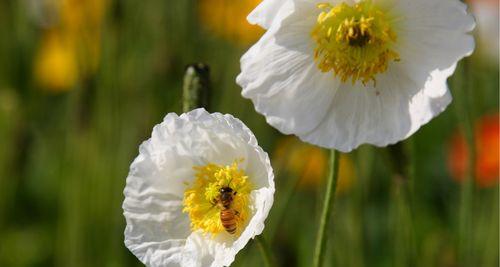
column 229, row 183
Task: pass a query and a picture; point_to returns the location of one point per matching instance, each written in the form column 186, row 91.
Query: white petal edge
column 380, row 117
column 264, row 14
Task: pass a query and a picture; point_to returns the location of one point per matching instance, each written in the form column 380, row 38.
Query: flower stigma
column 200, row 200
column 354, row 41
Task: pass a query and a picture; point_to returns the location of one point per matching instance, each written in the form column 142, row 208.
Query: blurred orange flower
column 487, row 150
column 70, row 48
column 227, row 19
column 310, row 163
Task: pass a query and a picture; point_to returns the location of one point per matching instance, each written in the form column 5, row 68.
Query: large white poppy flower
column 342, row 73
column 172, row 196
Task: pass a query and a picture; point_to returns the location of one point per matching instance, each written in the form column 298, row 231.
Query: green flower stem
column 325, row 220
column 265, row 250
column 196, row 89
column 463, row 90
column 402, row 162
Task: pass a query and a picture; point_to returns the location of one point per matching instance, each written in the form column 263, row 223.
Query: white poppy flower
column 339, row 74
column 172, row 197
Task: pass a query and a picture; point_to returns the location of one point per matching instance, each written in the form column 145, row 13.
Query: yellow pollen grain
column 200, row 196
column 354, row 42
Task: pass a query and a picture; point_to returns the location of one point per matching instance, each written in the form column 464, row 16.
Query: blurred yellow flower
column 82, row 23
column 311, row 164
column 55, row 63
column 70, row 49
column 227, row 19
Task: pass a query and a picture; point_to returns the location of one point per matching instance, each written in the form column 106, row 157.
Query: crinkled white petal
column 157, row 230
column 432, row 37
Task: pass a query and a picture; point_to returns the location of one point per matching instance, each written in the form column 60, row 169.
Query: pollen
column 200, row 198
column 356, row 41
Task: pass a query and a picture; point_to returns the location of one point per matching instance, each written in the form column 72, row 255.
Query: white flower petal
column 264, row 14
column 157, row 231
column 432, row 37
column 281, row 78
column 384, row 115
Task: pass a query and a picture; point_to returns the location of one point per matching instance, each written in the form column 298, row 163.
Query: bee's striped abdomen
column 228, row 220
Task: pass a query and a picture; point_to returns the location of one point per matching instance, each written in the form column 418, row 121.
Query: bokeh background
column 82, row 82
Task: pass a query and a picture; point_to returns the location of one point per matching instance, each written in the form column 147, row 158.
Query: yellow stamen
column 200, row 198
column 355, row 42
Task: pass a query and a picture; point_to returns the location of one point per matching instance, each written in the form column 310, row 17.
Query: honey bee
column 227, row 214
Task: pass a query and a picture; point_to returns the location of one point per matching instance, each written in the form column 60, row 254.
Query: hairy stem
column 196, row 87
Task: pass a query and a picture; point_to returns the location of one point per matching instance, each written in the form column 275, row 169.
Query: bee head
column 226, row 189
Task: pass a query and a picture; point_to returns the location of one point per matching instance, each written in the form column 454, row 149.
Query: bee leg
column 236, row 213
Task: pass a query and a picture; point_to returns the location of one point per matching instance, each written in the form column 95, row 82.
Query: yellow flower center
column 202, row 199
column 355, row 42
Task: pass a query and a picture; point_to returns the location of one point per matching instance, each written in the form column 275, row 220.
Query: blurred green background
column 82, row 82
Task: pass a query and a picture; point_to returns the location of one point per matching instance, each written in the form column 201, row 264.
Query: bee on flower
column 339, row 74
column 199, row 190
